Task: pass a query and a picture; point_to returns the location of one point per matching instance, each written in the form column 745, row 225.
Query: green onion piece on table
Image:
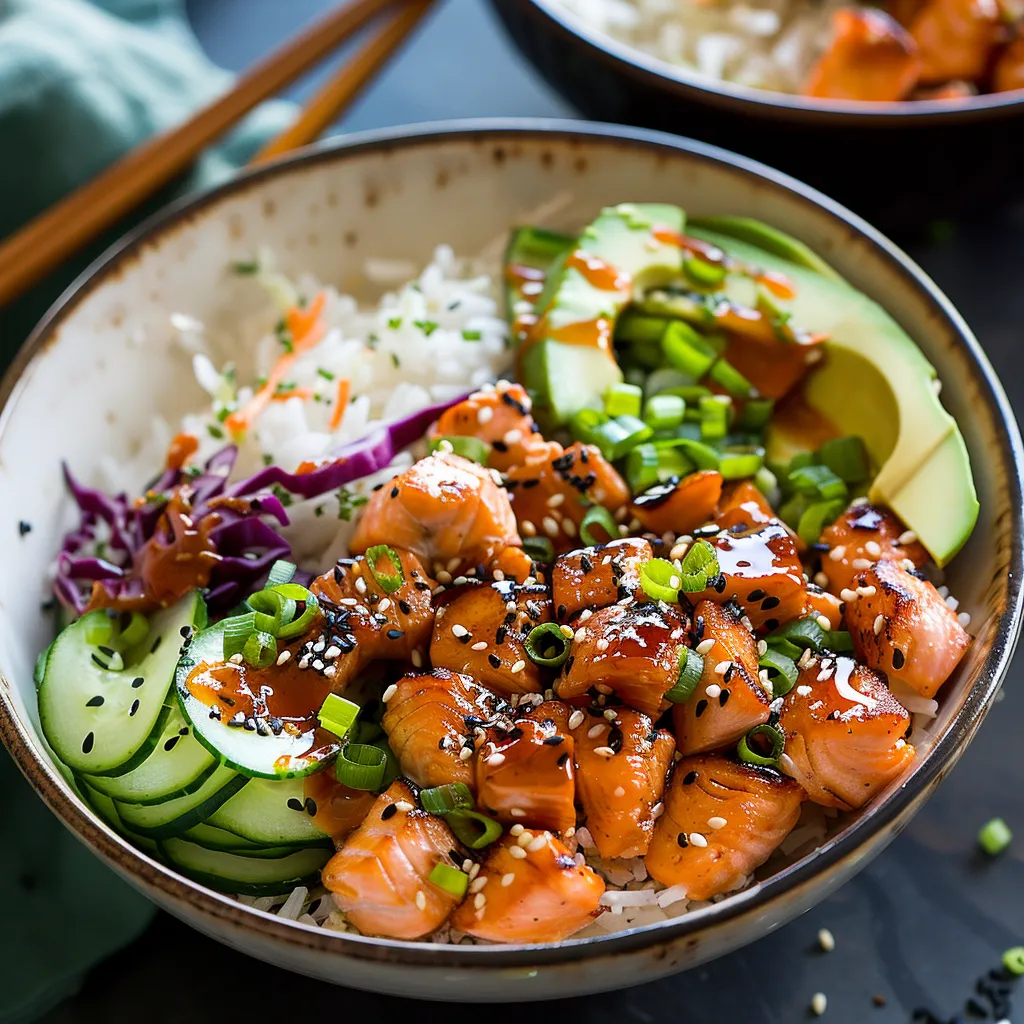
column 598, row 515
column 280, row 572
column 782, row 671
column 687, row 351
column 471, row 448
column 540, row 549
column 454, row 796
column 664, row 411
column 389, row 582
column 747, row 752
column 452, row 880
column 661, row 580
column 361, row 766
column 691, row 668
column 547, row 645
column 623, row 400
column 994, row 836
column 1013, row 960
column 337, row 715
column 473, row 829
column 698, row 567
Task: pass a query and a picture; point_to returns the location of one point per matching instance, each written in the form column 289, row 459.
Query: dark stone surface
column 917, row 926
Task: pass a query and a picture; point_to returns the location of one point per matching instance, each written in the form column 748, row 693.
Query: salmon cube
column 681, row 507
column 598, row 576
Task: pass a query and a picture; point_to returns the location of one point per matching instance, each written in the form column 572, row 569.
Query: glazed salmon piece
column 679, row 507
column 722, row 820
column 844, row 734
column 380, row 878
column 632, row 651
column 956, row 38
column 478, row 613
column 736, row 702
column 903, row 627
column 537, row 895
column 773, row 365
column 500, row 416
column 445, row 509
column 872, row 57
column 598, row 576
column 339, row 809
column 760, row 569
column 430, row 718
column 526, row 775
column 860, row 537
column 820, row 604
column 366, row 623
column 619, row 793
column 1008, row 73
column 745, row 496
column 514, row 564
column 552, row 491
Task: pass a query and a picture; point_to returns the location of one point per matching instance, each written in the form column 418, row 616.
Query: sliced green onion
column 687, row 351
column 803, row 633
column 847, row 458
column 311, row 607
column 782, row 671
column 337, row 714
column 817, row 482
column 664, row 411
column 700, row 271
column 714, row 417
column 547, row 645
column 471, row 448
column 738, row 463
column 99, row 628
column 793, row 508
column 280, row 572
column 767, row 483
column 661, row 580
column 785, row 648
column 650, row 464
column 236, row 631
column 473, row 829
column 540, row 549
column 725, row 374
column 994, row 836
column 623, row 400
column 135, row 632
column 452, row 880
column 1013, row 960
column 272, row 610
column 699, row 567
column 618, row 435
column 597, row 515
column 444, row 799
column 749, row 755
column 388, row 582
column 585, row 424
column 755, row 414
column 838, row 641
column 703, row 456
column 816, row 517
column 260, row 649
column 690, row 394
column 691, row 668
column 778, row 315
column 361, row 766
column 641, row 330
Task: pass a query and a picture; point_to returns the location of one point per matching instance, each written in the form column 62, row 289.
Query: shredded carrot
column 340, row 404
column 306, row 329
column 283, row 396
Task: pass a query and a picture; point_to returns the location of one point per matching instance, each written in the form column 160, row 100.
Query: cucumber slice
column 282, row 756
column 172, row 817
column 570, row 377
column 107, row 810
column 178, row 766
column 214, row 838
column 104, row 722
column 531, row 249
column 250, row 876
column 269, row 813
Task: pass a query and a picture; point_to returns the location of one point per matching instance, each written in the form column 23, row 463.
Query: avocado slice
column 875, row 382
column 764, row 236
column 570, row 363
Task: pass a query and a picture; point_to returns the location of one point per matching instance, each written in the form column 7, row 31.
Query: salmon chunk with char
column 596, row 577
column 632, row 651
column 448, row 511
column 380, row 878
column 729, row 699
column 525, row 775
column 844, row 734
column 722, row 821
column 902, row 626
column 619, row 791
column 533, row 891
column 679, row 506
column 481, row 629
column 431, row 718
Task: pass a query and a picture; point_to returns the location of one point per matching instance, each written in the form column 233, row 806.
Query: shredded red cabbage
column 245, row 536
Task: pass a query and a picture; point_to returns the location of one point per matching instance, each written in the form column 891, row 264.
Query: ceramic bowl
column 103, row 361
column 901, row 165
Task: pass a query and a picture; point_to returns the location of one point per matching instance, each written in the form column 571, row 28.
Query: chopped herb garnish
column 318, row 511
column 222, row 412
column 472, row 335
column 396, row 362
column 192, row 471
column 284, row 336
column 326, row 374
column 284, row 387
column 246, row 268
column 261, row 382
column 348, row 502
column 394, row 323
column 281, row 494
column 215, row 432
column 267, row 458
column 427, row 326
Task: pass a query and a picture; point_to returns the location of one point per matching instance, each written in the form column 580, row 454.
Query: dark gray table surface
column 916, row 927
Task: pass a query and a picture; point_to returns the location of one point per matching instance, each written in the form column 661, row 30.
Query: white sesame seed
column 819, row 1003
column 858, row 502
column 762, row 648
column 235, row 659
column 952, row 603
column 513, row 436
column 525, row 838
column 825, row 674
column 595, row 730
column 480, row 645
column 848, row 595
column 717, row 823
column 478, row 883
column 713, row 691
column 550, row 526
column 516, row 830
column 484, row 414
column 569, row 832
column 507, row 879
column 495, row 759
column 604, row 751
column 389, row 693
column 330, row 654
column 285, row 655
column 465, row 753
column 467, row 865
column 403, row 805
column 360, row 585
column 837, row 554
column 384, row 605
column 964, row 618
column 866, row 591
column 421, row 900
column 569, row 527
column 603, row 688
column 907, row 537
column 517, row 852
column 611, row 714
column 696, row 839
column 349, row 602
column 498, row 575
column 518, row 666
column 576, row 719
column 873, row 548
column 510, row 606
column 555, row 500
column 900, row 744
column 705, row 646
column 658, row 810
column 416, row 658
column 517, row 812
column 804, row 691
column 537, row 843
column 459, row 630
column 826, row 940
column 722, row 667
column 824, row 622
column 862, row 563
column 678, row 551
column 443, row 576
column 602, row 645
column 527, row 529
column 318, row 665
column 580, row 636
column 879, row 624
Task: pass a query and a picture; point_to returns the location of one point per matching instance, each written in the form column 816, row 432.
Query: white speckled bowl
column 103, row 361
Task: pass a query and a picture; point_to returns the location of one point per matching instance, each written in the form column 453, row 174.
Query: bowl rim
column 873, row 822
column 691, row 84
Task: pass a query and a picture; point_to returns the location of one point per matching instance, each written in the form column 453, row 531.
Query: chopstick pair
column 52, row 236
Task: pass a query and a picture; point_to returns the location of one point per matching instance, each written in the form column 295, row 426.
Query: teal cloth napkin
column 80, row 84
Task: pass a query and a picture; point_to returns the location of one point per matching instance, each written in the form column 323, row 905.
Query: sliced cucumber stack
column 270, row 813
column 103, row 709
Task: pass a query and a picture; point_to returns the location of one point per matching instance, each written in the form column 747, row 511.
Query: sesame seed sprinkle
column 389, row 693
column 713, row 691
column 537, row 843
column 495, row 759
column 907, row 537
column 527, row 529
column 517, row 852
column 722, row 667
column 696, row 839
column 465, row 753
column 848, row 595
column 518, row 666
column 480, row 645
column 819, row 1003
column 837, row 554
column 717, row 823
column 604, row 751
column 824, row 622
column 517, row 812
column 508, row 879
column 576, row 719
column 705, row 646
column 820, row 580
column 459, row 631
column 516, row 830
column 404, row 805
column 421, row 900
column 484, row 414
column 283, row 657
column 595, row 730
column 879, row 624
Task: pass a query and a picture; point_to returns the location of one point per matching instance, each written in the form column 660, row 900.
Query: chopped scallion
column 817, row 482
column 471, row 448
column 782, row 671
column 714, row 417
column 597, row 515
column 816, row 517
column 691, row 668
column 361, row 766
column 664, row 411
column 451, row 880
column 389, row 582
column 731, row 379
column 547, row 645
column 540, row 549
column 747, row 752
column 337, row 715
column 623, row 400
column 687, row 351
column 740, row 463
column 703, row 273
column 453, row 796
column 617, row 436
column 660, row 580
column 280, row 572
column 699, row 567
column 994, row 836
column 846, row 457
column 473, row 829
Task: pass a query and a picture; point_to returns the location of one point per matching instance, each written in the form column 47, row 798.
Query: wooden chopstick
column 342, row 88
column 58, row 232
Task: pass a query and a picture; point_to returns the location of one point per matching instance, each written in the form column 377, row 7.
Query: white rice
column 770, row 44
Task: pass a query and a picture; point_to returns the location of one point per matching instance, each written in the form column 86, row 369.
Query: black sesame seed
column 898, row 659
column 494, row 661
column 586, row 564
column 682, row 841
column 236, row 720
column 215, row 713
column 554, row 741
column 249, row 725
column 615, row 739
column 728, row 672
column 389, row 812
column 99, row 661
column 133, row 709
column 395, row 634
column 106, row 651
column 404, row 607
column 560, row 612
column 702, row 706
column 500, row 633
column 689, row 778
column 156, row 644
column 171, row 743
column 769, row 603
column 137, row 682
column 295, row 804
column 24, row 528
column 394, row 492
column 499, row 446
column 756, row 595
column 87, row 743
column 310, row 806
column 186, row 632
column 562, row 759
column 225, row 699
column 719, row 584
column 94, row 702
column 527, row 484
column 723, row 698
column 771, row 624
